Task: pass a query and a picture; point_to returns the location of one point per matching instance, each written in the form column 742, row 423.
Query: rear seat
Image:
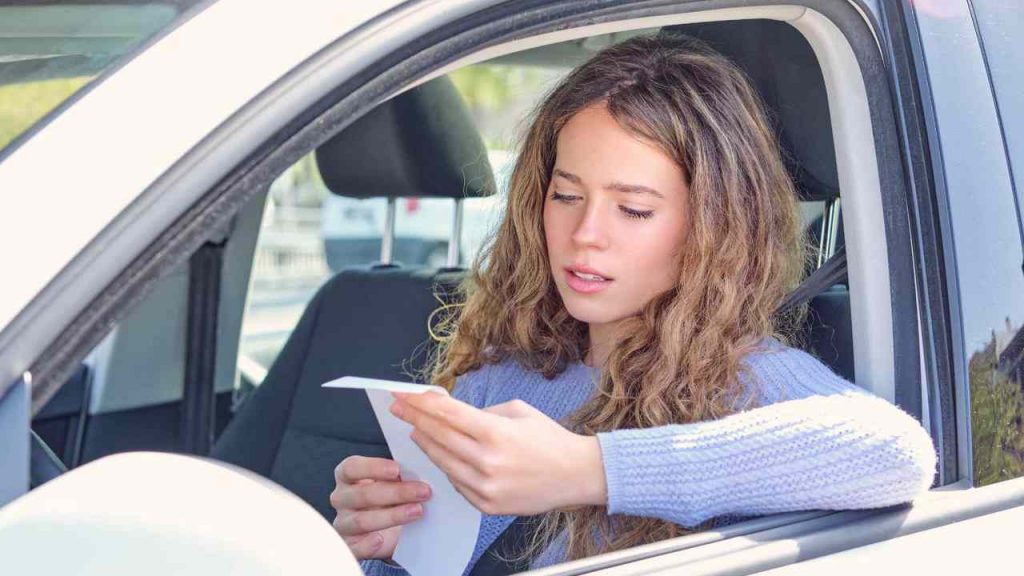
column 369, row 321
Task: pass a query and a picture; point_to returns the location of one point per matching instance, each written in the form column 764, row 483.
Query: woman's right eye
column 559, row 197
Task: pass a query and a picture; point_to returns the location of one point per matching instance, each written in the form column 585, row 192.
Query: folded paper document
column 442, row 541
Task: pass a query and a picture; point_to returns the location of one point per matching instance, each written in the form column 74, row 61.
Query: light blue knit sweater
column 815, row 441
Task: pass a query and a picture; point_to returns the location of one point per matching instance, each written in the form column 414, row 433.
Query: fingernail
column 378, row 540
column 423, row 492
column 413, row 511
column 396, row 409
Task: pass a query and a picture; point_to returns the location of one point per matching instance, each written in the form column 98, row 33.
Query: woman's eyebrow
column 633, row 189
column 614, row 186
column 568, row 176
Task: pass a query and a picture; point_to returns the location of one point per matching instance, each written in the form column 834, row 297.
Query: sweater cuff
column 640, row 479
column 620, row 472
column 381, row 568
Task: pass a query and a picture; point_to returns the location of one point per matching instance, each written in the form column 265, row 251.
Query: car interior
column 372, row 320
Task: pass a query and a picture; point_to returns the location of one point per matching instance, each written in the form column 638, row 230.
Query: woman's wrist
column 588, row 469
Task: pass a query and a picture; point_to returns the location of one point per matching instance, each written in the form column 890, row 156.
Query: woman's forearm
column 839, row 451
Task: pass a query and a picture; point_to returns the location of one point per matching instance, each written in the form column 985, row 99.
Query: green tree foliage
column 500, row 96
column 997, row 409
column 22, row 105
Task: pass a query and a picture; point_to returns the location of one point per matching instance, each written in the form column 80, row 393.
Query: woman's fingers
column 442, row 433
column 356, row 468
column 359, row 522
column 456, row 468
column 379, row 495
column 463, row 417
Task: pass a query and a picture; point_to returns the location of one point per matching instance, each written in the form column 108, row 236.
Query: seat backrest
column 792, row 87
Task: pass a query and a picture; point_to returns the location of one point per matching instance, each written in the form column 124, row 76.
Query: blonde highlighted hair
column 679, row 358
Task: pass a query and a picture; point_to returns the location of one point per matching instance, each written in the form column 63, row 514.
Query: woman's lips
column 584, row 286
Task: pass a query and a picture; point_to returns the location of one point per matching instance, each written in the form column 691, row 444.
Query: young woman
column 618, row 368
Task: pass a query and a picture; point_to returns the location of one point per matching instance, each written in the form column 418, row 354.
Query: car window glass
column 997, row 373
column 986, row 236
column 50, row 50
column 999, row 21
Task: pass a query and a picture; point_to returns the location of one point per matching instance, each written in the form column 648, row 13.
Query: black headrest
column 420, row 143
column 786, row 73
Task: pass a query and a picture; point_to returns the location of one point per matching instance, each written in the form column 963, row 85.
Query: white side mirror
column 155, row 514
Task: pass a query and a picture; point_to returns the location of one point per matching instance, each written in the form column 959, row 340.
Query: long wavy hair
column 679, row 359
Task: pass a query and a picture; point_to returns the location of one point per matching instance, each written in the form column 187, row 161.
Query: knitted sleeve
column 380, row 568
column 817, row 442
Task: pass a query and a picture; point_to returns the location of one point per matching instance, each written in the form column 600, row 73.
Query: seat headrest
column 784, row 70
column 422, row 143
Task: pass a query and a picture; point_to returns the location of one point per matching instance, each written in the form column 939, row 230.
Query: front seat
column 367, row 321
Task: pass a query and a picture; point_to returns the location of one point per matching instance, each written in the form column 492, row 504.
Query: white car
column 352, row 228
column 131, row 211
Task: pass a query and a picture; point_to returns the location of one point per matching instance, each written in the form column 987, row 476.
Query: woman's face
column 615, row 218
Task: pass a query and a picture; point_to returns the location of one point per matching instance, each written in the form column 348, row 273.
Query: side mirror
column 155, row 514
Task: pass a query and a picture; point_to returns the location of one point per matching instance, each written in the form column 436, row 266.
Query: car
column 168, row 312
column 353, row 228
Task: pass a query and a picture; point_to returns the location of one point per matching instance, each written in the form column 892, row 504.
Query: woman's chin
column 591, row 312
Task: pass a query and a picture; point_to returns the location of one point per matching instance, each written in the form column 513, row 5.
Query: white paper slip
column 440, row 543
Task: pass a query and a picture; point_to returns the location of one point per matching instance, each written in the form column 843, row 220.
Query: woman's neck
column 602, row 342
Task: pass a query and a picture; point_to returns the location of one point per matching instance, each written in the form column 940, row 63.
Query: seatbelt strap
column 511, row 542
column 829, row 274
column 197, row 403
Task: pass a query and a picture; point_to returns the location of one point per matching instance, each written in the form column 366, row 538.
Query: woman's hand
column 506, row 459
column 372, row 504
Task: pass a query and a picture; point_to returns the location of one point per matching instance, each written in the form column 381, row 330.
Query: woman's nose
column 591, row 229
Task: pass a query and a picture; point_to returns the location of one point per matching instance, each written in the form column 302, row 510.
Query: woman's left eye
column 637, row 214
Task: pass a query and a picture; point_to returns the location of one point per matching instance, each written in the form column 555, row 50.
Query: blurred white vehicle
column 352, row 228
